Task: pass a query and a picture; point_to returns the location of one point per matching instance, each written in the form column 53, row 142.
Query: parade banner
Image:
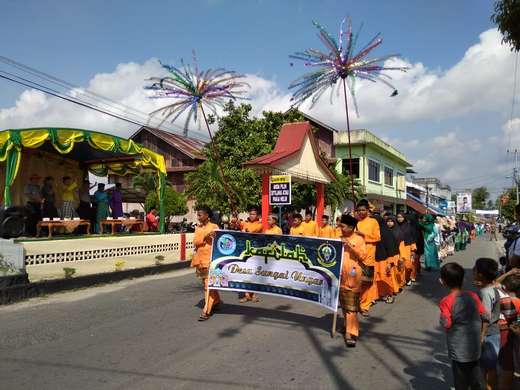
column 301, row 268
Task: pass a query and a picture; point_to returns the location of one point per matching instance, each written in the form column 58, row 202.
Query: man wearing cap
column 33, row 198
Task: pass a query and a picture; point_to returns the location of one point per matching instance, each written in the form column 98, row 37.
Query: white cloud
column 480, row 83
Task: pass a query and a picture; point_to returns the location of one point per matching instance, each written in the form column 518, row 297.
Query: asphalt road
column 144, row 334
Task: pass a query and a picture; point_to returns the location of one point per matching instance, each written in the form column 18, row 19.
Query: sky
column 450, row 119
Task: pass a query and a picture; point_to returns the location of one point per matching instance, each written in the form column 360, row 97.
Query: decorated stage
column 46, row 258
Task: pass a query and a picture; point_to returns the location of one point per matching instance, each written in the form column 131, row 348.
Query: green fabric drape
column 11, row 170
column 161, row 194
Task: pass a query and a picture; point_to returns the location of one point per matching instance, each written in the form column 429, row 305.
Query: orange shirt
column 370, row 228
column 337, row 232
column 327, row 232
column 352, row 280
column 274, row 230
column 252, row 227
column 202, row 243
column 310, row 228
column 297, row 230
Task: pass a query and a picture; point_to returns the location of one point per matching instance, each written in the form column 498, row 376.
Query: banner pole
column 334, row 321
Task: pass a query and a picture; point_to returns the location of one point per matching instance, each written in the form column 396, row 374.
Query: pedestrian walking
column 203, row 242
column 462, row 316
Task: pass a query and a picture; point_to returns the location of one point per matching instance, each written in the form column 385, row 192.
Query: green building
column 380, row 168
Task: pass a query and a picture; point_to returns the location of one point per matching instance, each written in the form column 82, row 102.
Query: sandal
column 350, row 343
column 390, row 299
column 203, row 317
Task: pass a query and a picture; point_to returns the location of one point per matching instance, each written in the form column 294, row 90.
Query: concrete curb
column 30, row 290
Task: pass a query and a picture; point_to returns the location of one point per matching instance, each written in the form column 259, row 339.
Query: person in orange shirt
column 368, row 228
column 297, row 226
column 252, row 225
column 273, row 228
column 337, row 230
column 310, row 227
column 407, row 248
column 326, row 231
column 203, row 241
column 351, row 273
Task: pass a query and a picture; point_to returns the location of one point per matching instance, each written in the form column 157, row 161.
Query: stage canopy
column 101, row 153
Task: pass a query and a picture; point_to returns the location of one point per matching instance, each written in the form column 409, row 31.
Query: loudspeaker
column 12, row 222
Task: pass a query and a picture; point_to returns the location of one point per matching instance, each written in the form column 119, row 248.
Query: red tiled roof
column 291, row 141
column 416, row 205
column 190, row 146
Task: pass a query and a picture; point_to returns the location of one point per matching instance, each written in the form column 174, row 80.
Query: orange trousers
column 351, row 323
column 416, row 266
column 211, row 298
column 368, row 295
column 383, row 279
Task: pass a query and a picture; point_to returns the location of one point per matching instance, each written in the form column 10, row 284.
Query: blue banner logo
column 226, row 244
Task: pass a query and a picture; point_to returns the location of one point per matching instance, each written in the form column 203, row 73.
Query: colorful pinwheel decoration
column 340, row 62
column 194, row 89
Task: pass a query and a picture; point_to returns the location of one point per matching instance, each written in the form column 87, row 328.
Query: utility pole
column 427, row 198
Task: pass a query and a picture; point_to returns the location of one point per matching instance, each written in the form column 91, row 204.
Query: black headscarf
column 417, row 231
column 407, row 233
column 388, row 246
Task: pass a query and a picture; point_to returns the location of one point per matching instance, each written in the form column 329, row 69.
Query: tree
column 479, row 197
column 145, row 181
column 174, row 202
column 490, row 204
column 507, row 17
column 507, row 209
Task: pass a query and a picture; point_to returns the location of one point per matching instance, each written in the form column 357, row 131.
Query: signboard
column 294, row 267
column 280, row 190
column 443, row 205
column 464, row 202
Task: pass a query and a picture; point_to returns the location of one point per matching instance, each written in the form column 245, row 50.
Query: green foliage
column 145, row 181
column 479, row 197
column 174, row 202
column 507, row 17
column 69, row 272
column 507, row 210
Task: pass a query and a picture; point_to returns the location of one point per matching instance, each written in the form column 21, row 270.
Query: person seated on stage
column 297, row 226
column 253, row 223
column 33, row 199
column 69, row 195
column 310, row 227
column 151, row 220
column 326, row 231
column 273, row 228
column 349, row 293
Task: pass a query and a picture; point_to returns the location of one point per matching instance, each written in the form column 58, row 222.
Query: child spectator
column 509, row 341
column 484, row 273
column 462, row 315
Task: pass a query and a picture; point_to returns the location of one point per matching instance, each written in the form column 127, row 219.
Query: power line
column 86, row 98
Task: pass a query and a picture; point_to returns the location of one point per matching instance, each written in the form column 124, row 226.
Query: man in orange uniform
column 310, row 227
column 368, row 228
column 326, row 231
column 354, row 254
column 297, row 228
column 273, row 228
column 252, row 225
column 203, row 240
